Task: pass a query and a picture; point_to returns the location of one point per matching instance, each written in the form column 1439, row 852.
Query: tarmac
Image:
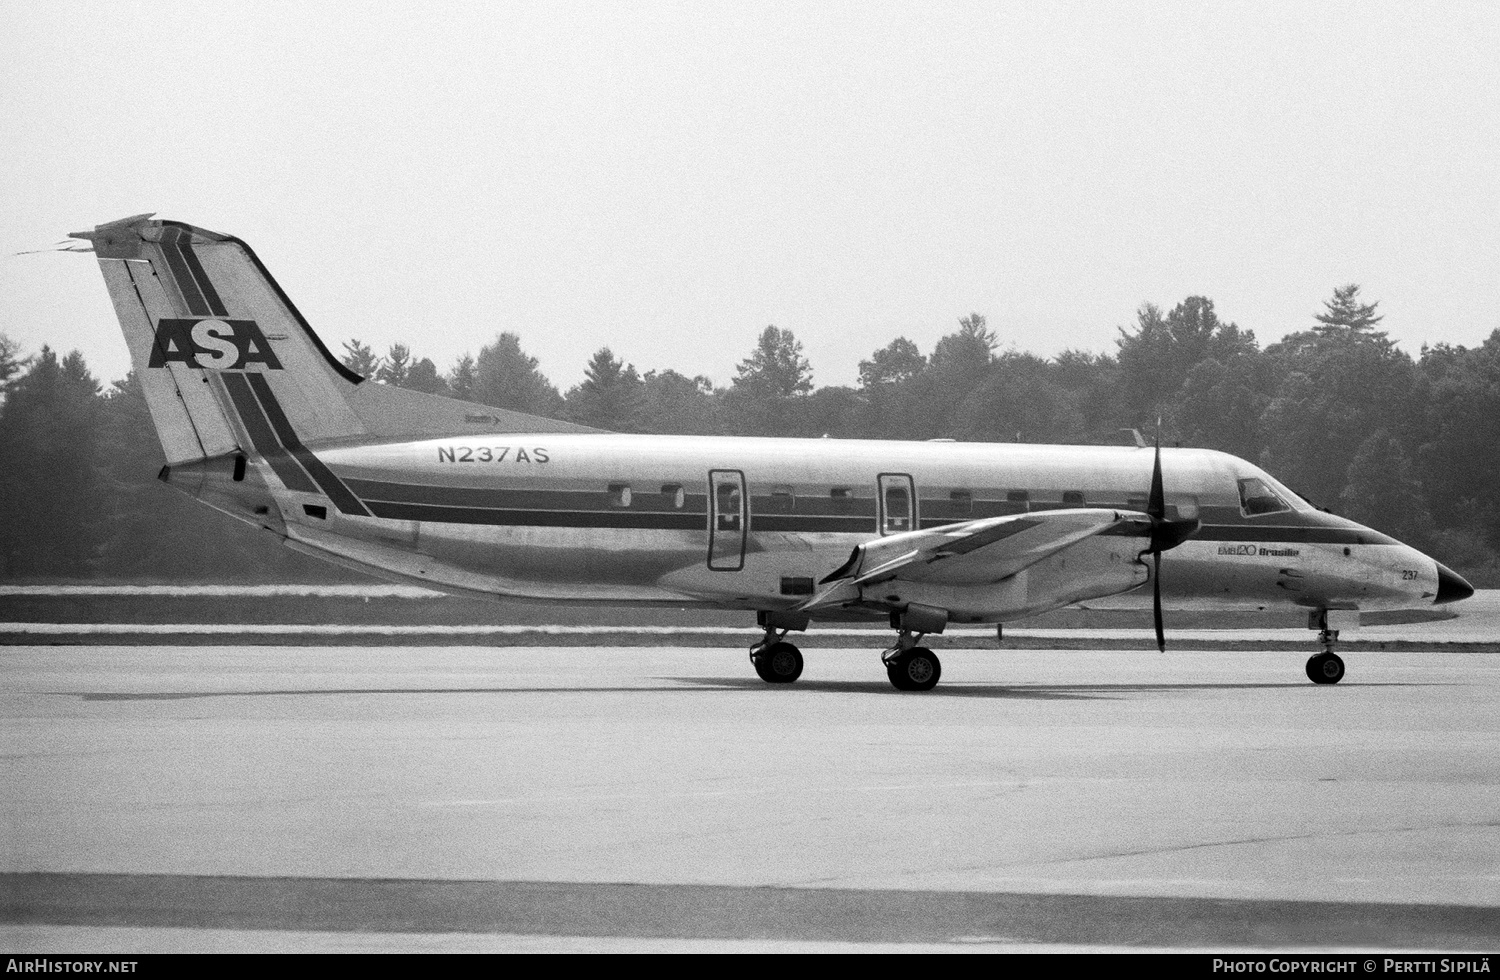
column 243, row 797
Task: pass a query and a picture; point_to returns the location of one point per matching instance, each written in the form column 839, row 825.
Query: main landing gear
column 775, row 660
column 1326, row 667
column 910, row 667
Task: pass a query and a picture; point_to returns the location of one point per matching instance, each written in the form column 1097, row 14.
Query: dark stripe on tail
column 181, row 274
column 345, row 501
column 261, row 435
column 190, row 258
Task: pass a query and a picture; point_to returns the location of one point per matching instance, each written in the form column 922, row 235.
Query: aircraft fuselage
column 756, row 523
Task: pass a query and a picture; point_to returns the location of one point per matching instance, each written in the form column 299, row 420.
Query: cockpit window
column 1257, row 497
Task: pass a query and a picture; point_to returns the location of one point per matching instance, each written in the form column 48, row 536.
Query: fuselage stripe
column 519, row 499
column 791, row 523
column 397, row 511
column 645, row 520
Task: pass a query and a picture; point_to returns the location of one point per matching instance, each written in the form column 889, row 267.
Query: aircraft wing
column 968, row 552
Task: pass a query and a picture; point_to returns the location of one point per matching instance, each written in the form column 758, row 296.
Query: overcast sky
column 668, row 179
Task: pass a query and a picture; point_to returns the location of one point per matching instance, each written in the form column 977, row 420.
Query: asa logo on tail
column 220, row 345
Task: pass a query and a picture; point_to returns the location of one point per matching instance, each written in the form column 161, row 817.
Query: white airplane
column 259, row 420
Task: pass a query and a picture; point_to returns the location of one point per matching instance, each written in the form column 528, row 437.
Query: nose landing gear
column 1326, row 667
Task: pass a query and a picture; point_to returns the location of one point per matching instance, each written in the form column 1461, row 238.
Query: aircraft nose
column 1451, row 586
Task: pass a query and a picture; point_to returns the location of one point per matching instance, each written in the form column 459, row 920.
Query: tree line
column 1336, row 411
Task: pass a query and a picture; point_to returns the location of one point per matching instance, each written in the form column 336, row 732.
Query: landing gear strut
column 775, row 660
column 1326, row 667
column 910, row 667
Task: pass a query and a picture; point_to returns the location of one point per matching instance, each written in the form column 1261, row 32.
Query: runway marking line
column 590, row 798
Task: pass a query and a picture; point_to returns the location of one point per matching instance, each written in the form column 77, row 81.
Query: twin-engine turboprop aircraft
column 260, row 421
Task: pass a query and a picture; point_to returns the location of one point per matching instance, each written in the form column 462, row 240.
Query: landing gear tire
column 779, row 663
column 1325, row 668
column 917, row 669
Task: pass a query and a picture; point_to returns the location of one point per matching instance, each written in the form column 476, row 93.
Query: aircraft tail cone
column 1452, row 586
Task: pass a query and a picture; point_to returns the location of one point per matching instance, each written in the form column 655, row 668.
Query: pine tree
column 763, row 399
column 394, row 366
column 11, row 364
column 423, row 377
column 461, row 378
column 610, row 396
column 776, row 368
column 360, row 359
column 1346, row 315
column 971, row 349
column 505, row 376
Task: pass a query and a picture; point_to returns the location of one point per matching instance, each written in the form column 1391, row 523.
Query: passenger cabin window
column 619, row 495
column 1018, row 496
column 841, row 501
column 961, row 502
column 675, row 495
column 781, row 501
column 1073, row 498
column 1256, row 498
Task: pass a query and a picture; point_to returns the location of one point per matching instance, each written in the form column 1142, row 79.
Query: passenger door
column 897, row 503
column 727, row 520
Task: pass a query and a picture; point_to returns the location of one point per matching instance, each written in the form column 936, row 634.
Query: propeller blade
column 1156, row 505
column 1164, row 534
column 1161, row 635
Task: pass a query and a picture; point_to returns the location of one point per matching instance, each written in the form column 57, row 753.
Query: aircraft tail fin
column 229, row 364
